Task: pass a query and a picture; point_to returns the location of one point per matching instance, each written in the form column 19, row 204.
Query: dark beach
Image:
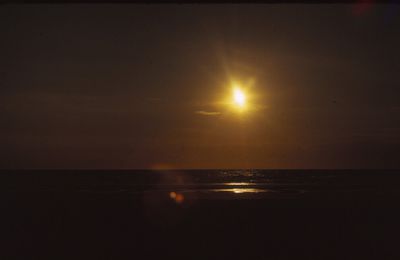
column 248, row 214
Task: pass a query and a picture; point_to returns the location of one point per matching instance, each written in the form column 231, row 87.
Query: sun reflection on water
column 241, row 190
column 238, row 183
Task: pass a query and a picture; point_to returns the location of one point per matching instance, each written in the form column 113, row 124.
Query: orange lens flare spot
column 172, row 195
column 177, row 197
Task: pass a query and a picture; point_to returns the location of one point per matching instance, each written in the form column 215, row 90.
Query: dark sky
column 121, row 86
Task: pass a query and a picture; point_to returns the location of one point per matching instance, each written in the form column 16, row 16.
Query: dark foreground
column 200, row 214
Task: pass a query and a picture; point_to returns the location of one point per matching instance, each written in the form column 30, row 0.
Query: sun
column 238, row 97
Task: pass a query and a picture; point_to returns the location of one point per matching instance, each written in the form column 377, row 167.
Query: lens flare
column 177, row 197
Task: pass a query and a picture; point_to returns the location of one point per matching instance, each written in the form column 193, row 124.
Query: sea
column 200, row 214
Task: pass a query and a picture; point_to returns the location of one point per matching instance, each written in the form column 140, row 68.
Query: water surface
column 207, row 214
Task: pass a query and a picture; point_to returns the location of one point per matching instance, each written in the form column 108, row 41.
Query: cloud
column 208, row 113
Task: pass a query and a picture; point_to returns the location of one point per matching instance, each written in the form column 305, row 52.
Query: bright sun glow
column 239, row 97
